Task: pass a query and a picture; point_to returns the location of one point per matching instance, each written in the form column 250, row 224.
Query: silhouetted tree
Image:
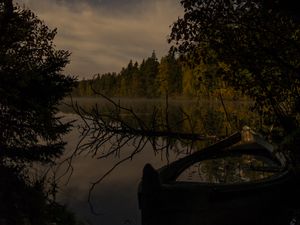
column 255, row 47
column 149, row 71
column 31, row 85
column 169, row 75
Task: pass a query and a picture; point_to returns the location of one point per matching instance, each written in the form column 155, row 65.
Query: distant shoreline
column 159, row 99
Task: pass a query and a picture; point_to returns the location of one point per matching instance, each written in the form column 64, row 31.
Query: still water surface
column 115, row 198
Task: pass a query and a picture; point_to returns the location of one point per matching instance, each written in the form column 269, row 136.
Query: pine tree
column 31, row 86
column 149, row 70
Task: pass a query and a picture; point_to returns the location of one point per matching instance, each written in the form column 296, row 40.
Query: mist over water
column 115, row 198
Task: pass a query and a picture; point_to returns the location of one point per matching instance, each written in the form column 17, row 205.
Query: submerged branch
column 105, row 134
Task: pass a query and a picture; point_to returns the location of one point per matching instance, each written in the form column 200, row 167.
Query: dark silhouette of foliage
column 255, row 46
column 169, row 77
column 29, row 203
column 31, row 85
column 149, row 70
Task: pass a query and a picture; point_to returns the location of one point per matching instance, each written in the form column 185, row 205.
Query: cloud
column 104, row 35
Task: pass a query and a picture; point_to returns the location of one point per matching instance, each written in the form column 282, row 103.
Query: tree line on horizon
column 153, row 78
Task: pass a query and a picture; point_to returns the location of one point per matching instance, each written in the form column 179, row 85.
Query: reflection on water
column 116, row 196
column 185, row 115
column 240, row 169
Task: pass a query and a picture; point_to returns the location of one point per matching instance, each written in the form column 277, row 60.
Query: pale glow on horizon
column 103, row 40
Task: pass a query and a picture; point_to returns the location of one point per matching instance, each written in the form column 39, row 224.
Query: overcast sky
column 103, row 35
